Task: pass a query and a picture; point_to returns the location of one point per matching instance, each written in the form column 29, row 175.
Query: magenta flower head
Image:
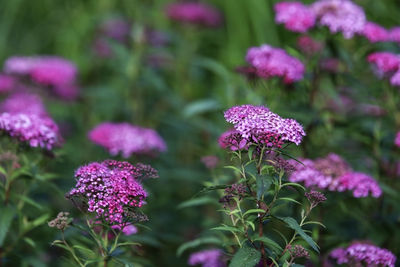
column 194, row 13
column 363, row 254
column 7, row 83
column 258, row 124
column 275, row 62
column 309, row 46
column 295, row 16
column 333, row 173
column 127, row 139
column 397, row 139
column 37, row 131
column 359, row 183
column 375, row 33
column 110, row 189
column 386, row 64
column 207, row 258
column 52, row 71
column 210, row 162
column 24, row 103
column 340, row 16
column 394, row 35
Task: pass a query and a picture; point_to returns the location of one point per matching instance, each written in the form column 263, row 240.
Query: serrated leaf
column 196, row 202
column 197, row 242
column 7, row 215
column 245, row 257
column 292, row 223
column 270, row 243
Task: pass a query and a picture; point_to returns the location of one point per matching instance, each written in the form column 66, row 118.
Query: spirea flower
column 275, row 62
column 127, row 229
column 295, row 16
column 127, row 139
column 52, row 71
column 360, row 184
column 210, row 161
column 260, row 125
column 298, row 251
column 308, row 45
column 334, row 174
column 340, row 16
column 394, row 35
column 110, row 189
column 397, row 140
column 363, row 253
column 35, row 130
column 386, row 64
column 61, row 221
column 7, row 83
column 315, row 197
column 207, row 258
column 194, row 13
column 24, row 103
column 375, row 33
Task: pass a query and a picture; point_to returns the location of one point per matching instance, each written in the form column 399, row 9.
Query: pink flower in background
column 110, row 189
column 207, row 258
column 375, row 33
column 127, row 139
column 340, row 16
column 359, row 183
column 7, row 83
column 388, row 64
column 397, row 139
column 24, row 103
column 116, row 28
column 127, row 229
column 394, row 34
column 56, row 72
column 253, row 121
column 275, row 62
column 194, row 13
column 330, row 64
column 35, row 130
column 363, row 254
column 210, row 161
column 333, row 173
column 295, row 16
column 308, row 45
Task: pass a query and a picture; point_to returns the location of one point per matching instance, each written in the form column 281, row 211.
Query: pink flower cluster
column 56, row 72
column 37, row 131
column 127, row 139
column 363, row 253
column 387, row 64
column 7, row 83
column 397, row 139
column 334, row 174
column 207, row 258
column 194, row 13
column 375, row 33
column 275, row 62
column 340, row 16
column 24, row 103
column 110, row 188
column 257, row 122
column 308, row 45
column 296, row 16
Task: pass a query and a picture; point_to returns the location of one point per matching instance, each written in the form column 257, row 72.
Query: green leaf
column 212, row 188
column 3, row 171
column 294, row 185
column 85, row 250
column 196, row 202
column 295, row 226
column 289, row 199
column 227, row 228
column 314, row 222
column 128, row 244
column 245, row 257
column 30, row 242
column 263, row 184
column 197, row 242
column 29, row 201
column 296, row 265
column 7, row 215
column 270, row 243
column 200, row 106
column 253, row 211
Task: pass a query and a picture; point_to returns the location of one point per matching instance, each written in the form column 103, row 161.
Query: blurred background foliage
column 184, row 99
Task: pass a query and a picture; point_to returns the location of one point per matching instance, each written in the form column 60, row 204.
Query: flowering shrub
column 274, row 126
